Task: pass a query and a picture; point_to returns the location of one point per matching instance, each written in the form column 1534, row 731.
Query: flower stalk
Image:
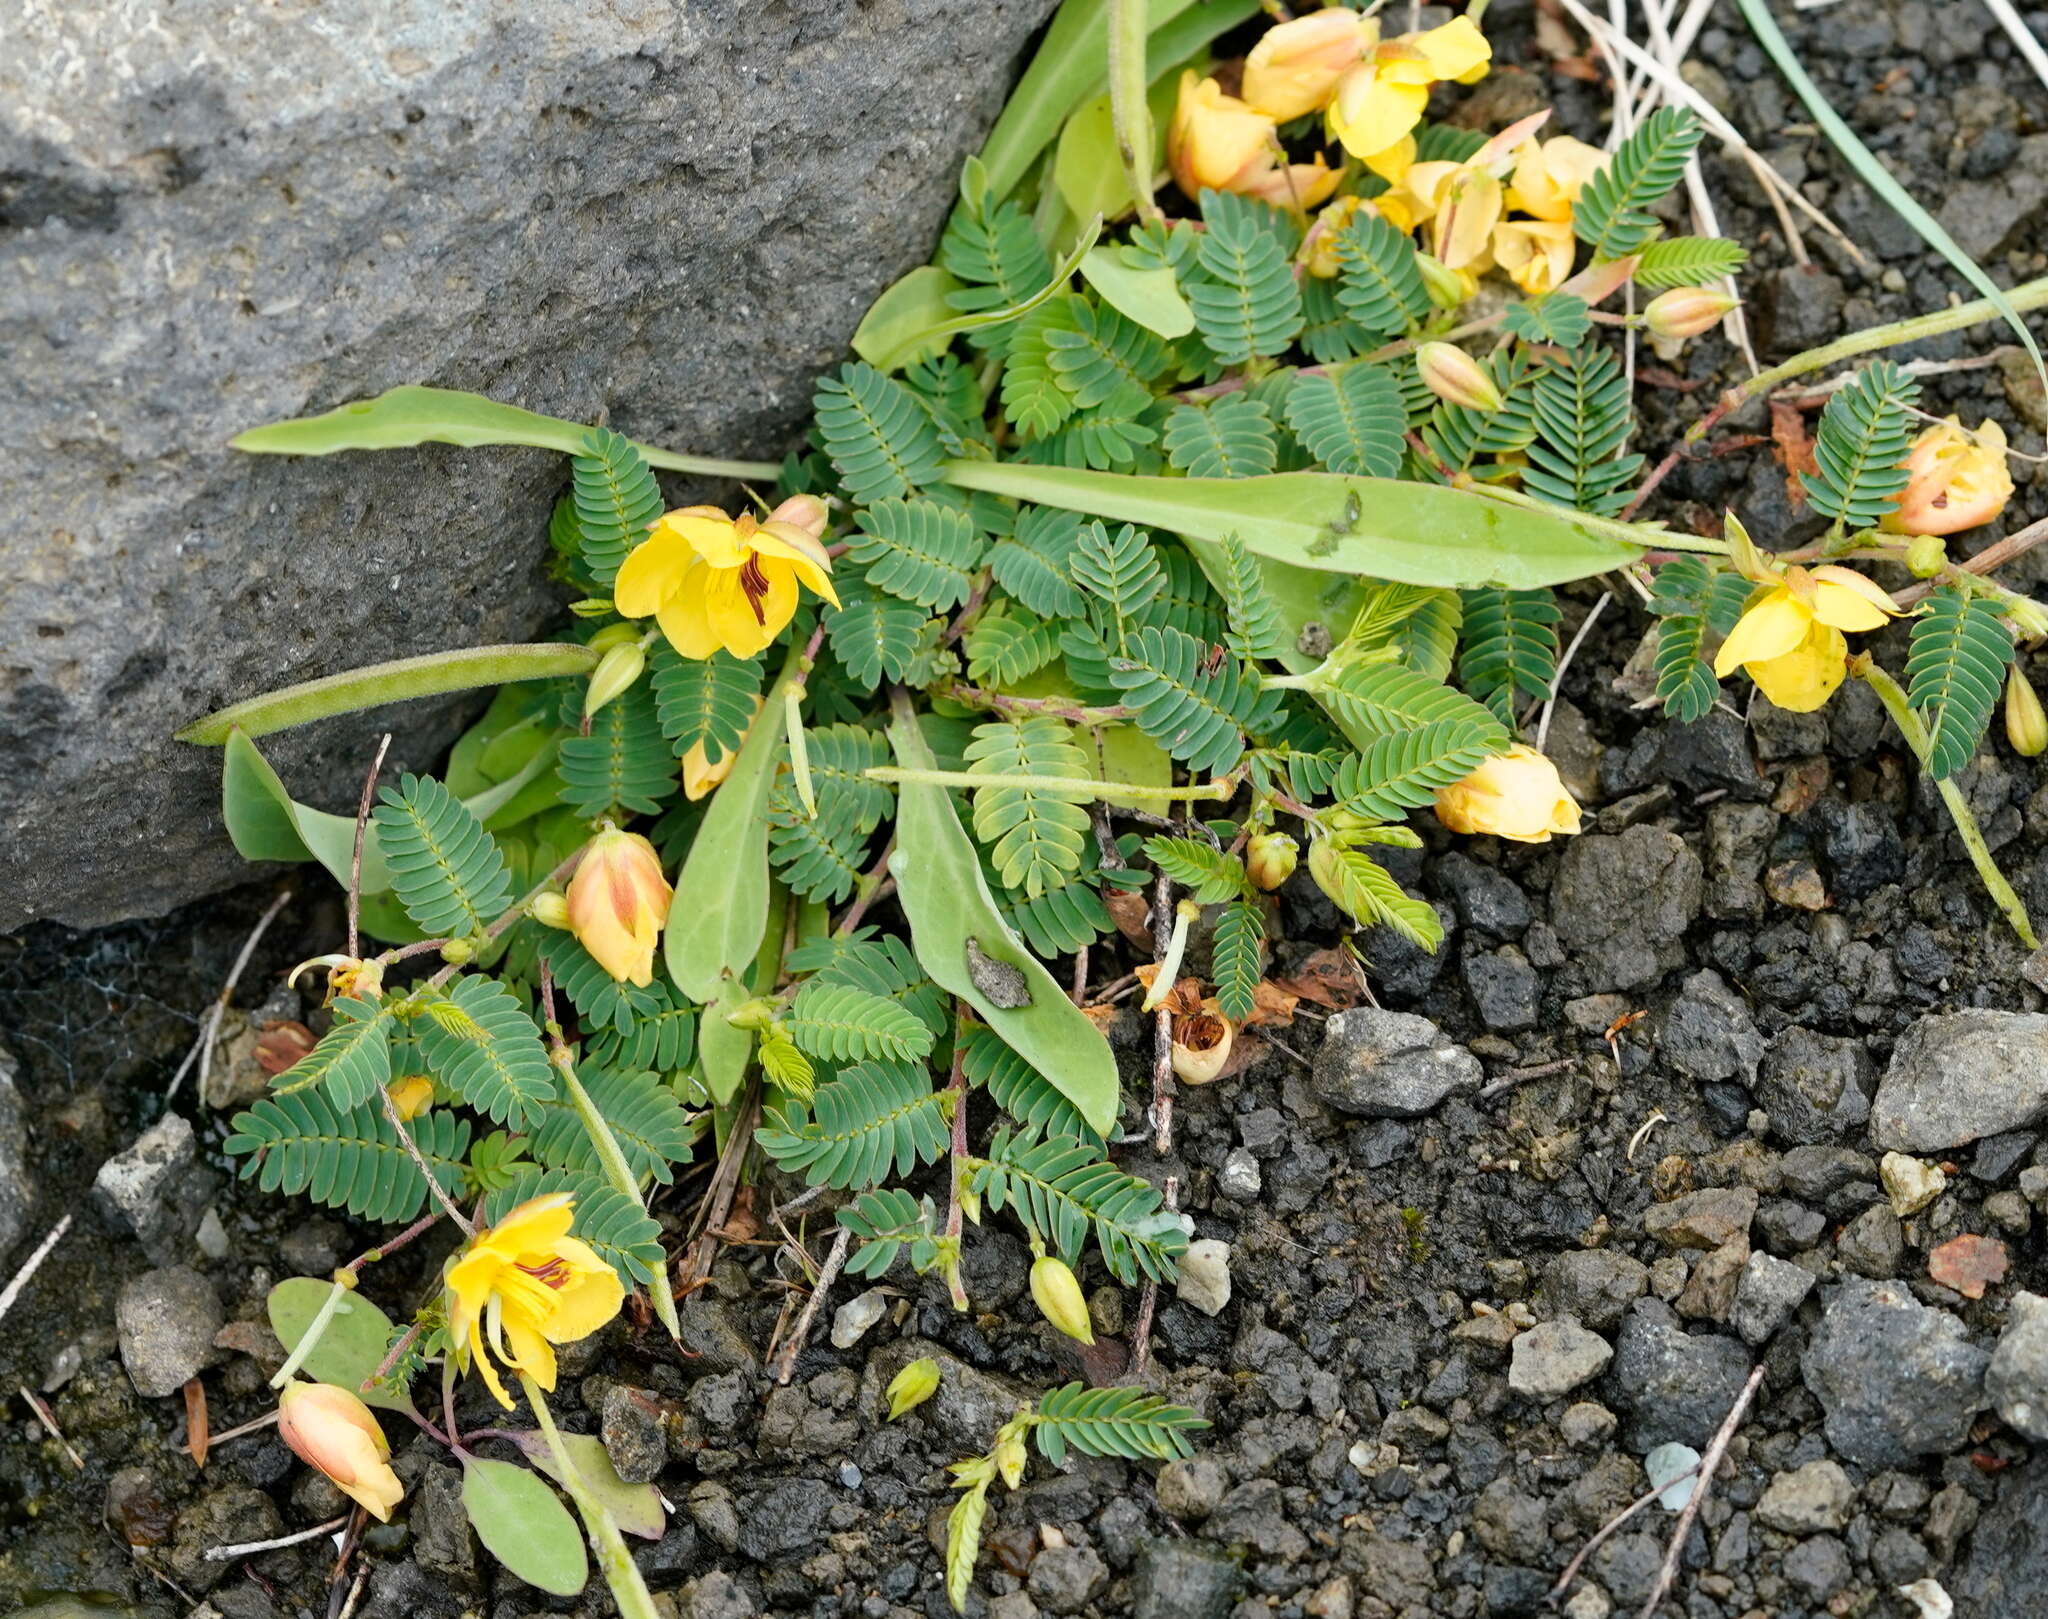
column 621, row 1573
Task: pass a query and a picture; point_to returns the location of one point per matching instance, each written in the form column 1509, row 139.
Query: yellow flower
column 411, row 1096
column 700, row 775
column 1955, row 480
column 714, row 581
column 1535, row 253
column 1319, row 247
column 618, row 900
column 1516, row 795
column 1384, row 97
column 1294, row 70
column 327, row 1427
column 1549, row 175
column 1789, row 641
column 524, row 1285
column 1218, row 142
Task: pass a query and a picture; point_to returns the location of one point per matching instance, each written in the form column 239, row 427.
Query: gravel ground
column 1793, row 1079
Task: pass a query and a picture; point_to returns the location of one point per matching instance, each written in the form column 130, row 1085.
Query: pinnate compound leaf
column 704, row 703
column 616, row 501
column 1402, row 772
column 1366, row 891
column 876, row 1119
column 352, row 1061
column 1612, row 215
column 1510, row 647
column 920, row 550
column 1955, row 670
column 347, row 1158
column 446, row 869
column 1034, row 837
column 1232, row 438
column 1020, row 1090
column 1237, row 960
column 487, row 1050
column 1196, row 707
column 879, row 437
column 1207, row 873
column 1687, row 261
column 840, row 1024
column 1860, row 448
column 1350, row 418
column 1245, row 299
column 1114, row 1421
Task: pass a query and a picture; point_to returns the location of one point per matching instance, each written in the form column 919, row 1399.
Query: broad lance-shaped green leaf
column 1416, row 533
column 720, row 912
column 946, row 899
column 524, row 1525
column 402, row 417
column 429, row 675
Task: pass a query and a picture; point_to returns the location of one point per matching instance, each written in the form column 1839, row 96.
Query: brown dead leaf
column 1272, row 1004
column 197, row 1435
column 1794, row 448
column 742, row 1224
column 1103, row 1015
column 282, row 1044
column 1183, row 998
column 1329, row 978
column 1132, row 914
column 1969, row 1264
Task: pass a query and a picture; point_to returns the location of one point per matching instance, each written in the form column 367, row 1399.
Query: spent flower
column 1954, row 480
column 330, row 1429
column 1516, row 795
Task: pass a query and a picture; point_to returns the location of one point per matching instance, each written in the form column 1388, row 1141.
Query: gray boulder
column 17, row 1184
column 216, row 215
column 1896, row 1378
column 1956, row 1077
column 1376, row 1064
column 2016, row 1383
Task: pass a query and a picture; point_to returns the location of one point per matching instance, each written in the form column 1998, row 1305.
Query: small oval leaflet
column 524, row 1525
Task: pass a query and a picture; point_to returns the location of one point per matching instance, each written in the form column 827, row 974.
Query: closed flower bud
column 1926, row 556
column 2026, row 727
column 1058, row 1296
column 912, row 1386
column 2029, row 622
column 806, row 512
column 618, row 901
column 1954, row 480
column 550, row 910
column 1687, row 311
column 1294, row 69
column 1010, row 1454
column 458, row 952
column 615, row 635
column 328, row 1428
column 615, row 673
column 1516, row 795
column 1447, row 288
column 1270, row 859
column 1201, row 1046
column 1455, row 377
column 410, row 1096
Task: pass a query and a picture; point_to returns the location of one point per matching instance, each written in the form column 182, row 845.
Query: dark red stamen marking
column 555, row 1272
column 754, row 581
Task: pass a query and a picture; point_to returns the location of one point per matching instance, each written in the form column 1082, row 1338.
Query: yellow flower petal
column 709, row 532
column 590, row 1298
column 804, row 553
column 1807, row 676
column 530, row 1352
column 1394, row 162
column 1374, row 111
column 1463, row 227
column 1773, row 627
column 744, row 624
column 1844, row 598
column 685, row 619
column 538, row 1223
column 1454, row 50
column 652, row 572
column 481, row 1357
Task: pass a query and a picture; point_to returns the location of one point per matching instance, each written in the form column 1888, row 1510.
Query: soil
column 1745, row 910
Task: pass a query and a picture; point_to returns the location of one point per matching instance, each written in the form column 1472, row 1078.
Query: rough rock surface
column 671, row 214
column 1896, row 1378
column 166, row 1320
column 17, row 1182
column 1960, row 1076
column 1390, row 1065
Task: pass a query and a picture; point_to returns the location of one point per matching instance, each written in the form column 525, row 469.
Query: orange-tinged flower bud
column 1057, row 1293
column 1516, row 795
column 2026, row 726
column 411, row 1096
column 1214, row 137
column 328, row 1428
column 1201, row 1046
column 1270, row 859
column 615, row 673
column 1954, row 480
column 1294, row 69
column 1687, row 311
column 618, row 900
column 1453, row 375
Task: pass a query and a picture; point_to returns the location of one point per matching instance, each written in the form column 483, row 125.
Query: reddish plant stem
column 355, row 864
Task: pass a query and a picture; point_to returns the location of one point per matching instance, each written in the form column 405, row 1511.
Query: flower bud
column 1516, row 795
column 1294, row 69
column 550, row 910
column 1954, row 480
column 615, row 635
column 1270, row 859
column 458, row 952
column 618, row 901
column 1926, row 556
column 1447, row 288
column 1455, row 377
column 1201, row 1046
column 2028, row 620
column 328, row 1428
column 806, row 512
column 1010, row 1454
column 615, row 672
column 1687, row 311
column 1058, row 1296
column 410, row 1096
column 2026, row 727
column 912, row 1386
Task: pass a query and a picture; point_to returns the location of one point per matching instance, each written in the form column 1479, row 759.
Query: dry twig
column 786, row 1364
column 209, row 1033
column 32, row 1264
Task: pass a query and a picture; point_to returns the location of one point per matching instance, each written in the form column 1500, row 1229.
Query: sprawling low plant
column 1120, row 562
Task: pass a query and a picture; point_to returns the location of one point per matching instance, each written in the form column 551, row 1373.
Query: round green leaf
column 350, row 1349
column 524, row 1525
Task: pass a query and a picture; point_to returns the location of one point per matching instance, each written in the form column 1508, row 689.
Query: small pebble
column 851, row 1321
column 1205, row 1276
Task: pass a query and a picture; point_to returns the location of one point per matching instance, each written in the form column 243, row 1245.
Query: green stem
column 310, row 1339
column 1129, row 114
column 426, row 676
column 621, row 1573
column 1865, row 668
column 1656, row 539
column 617, row 1171
column 1081, row 785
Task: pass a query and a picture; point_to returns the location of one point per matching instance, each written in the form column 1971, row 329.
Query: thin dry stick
column 355, row 859
column 786, row 1367
column 1162, row 1022
column 1708, row 1463
column 32, row 1264
column 1521, row 1076
column 419, row 1162
column 202, row 1048
column 1148, row 1300
column 42, row 1410
column 717, row 1203
column 355, row 1595
column 224, row 1554
column 1564, row 663
column 256, row 1425
column 1611, row 1527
